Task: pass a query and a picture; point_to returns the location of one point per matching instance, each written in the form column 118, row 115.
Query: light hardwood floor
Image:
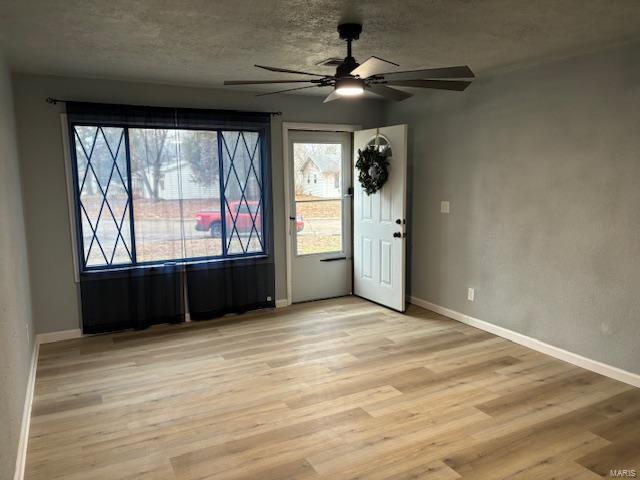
column 338, row 389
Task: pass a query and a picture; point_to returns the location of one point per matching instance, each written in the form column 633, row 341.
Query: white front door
column 380, row 221
column 320, row 179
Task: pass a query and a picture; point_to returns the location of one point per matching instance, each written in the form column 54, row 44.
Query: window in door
column 318, row 203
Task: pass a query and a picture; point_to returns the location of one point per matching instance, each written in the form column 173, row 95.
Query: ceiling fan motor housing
column 349, row 31
column 346, row 67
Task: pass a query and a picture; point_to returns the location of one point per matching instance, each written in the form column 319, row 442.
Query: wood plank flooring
column 338, row 389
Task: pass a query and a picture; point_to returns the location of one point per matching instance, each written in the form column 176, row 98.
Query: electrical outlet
column 268, row 299
column 444, row 206
column 471, row 294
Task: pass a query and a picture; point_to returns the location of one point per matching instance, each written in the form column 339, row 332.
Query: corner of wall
column 17, row 336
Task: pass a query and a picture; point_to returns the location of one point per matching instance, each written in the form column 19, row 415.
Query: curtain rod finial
column 51, row 100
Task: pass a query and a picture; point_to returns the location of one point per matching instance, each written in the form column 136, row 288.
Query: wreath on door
column 373, row 168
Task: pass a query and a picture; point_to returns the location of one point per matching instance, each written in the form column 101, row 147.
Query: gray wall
column 542, row 169
column 55, row 295
column 16, row 330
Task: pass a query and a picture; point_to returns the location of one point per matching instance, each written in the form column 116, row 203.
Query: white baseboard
column 578, row 360
column 58, row 336
column 283, row 302
column 26, row 417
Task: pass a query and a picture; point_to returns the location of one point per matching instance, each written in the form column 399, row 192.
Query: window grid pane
column 241, row 160
column 103, row 193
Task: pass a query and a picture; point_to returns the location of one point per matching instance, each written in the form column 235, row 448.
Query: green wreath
column 373, row 167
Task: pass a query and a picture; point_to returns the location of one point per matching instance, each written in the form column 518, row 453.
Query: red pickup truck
column 208, row 220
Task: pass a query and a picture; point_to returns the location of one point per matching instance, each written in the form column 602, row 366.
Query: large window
column 150, row 195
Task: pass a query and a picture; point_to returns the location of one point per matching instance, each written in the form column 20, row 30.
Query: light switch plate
column 444, row 206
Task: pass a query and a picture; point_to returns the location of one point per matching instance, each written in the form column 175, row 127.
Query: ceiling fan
column 352, row 79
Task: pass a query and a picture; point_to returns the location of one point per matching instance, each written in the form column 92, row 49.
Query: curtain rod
column 55, row 101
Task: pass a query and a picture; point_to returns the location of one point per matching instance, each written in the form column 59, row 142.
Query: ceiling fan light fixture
column 349, row 87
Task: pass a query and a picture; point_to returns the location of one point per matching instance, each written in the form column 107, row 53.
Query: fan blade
column 457, row 85
column 372, row 66
column 260, row 82
column 447, row 72
column 286, row 70
column 389, row 93
column 331, row 97
column 287, row 90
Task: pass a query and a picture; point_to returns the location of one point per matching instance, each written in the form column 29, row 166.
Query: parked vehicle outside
column 211, row 221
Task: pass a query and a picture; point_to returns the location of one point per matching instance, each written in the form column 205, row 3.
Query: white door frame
column 313, row 127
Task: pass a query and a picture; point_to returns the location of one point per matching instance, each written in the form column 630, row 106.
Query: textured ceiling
column 205, row 42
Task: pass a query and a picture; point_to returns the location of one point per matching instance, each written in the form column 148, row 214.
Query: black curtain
column 132, row 298
column 215, row 289
column 240, row 278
